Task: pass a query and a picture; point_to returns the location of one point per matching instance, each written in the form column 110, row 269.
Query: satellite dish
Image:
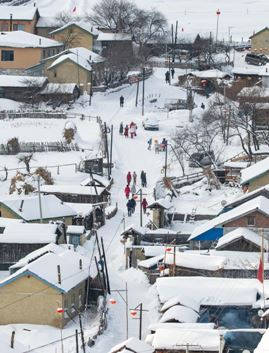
column 223, row 203
column 260, row 313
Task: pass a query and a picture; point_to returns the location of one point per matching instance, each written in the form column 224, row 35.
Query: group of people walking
column 157, row 146
column 131, row 203
column 128, row 130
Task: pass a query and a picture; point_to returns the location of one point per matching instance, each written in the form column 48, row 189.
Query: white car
column 151, row 124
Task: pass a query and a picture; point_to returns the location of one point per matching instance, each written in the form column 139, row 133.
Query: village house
column 45, row 25
column 255, row 176
column 77, row 193
column 253, row 214
column 75, row 235
column 33, row 294
column 76, row 34
column 59, row 93
column 132, row 345
column 21, row 88
column 259, row 41
column 20, row 50
column 18, row 18
column 120, row 43
column 27, row 208
column 18, row 240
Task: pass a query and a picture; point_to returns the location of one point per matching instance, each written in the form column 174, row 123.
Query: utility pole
column 111, row 148
column 165, row 163
column 137, row 92
column 217, row 29
column 39, row 199
column 143, row 92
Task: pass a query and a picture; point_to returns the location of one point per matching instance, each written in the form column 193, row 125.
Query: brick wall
column 261, row 221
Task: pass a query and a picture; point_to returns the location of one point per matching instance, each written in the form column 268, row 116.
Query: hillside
column 239, row 19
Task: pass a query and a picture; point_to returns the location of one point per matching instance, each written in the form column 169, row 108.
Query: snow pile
column 182, row 300
column 180, row 314
column 132, row 345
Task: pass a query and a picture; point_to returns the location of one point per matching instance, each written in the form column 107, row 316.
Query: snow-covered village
column 134, row 176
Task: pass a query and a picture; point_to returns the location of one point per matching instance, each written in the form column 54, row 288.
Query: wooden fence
column 29, row 147
column 45, row 115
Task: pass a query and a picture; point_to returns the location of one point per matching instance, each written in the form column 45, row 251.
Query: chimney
column 12, row 339
column 59, row 274
column 10, row 22
column 80, row 264
column 21, row 206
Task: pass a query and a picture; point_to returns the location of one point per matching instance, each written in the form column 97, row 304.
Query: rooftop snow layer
column 21, row 39
column 238, row 233
column 246, row 196
column 75, row 229
column 59, row 88
column 22, row 81
column 26, row 13
column 214, row 73
column 182, row 300
column 28, row 207
column 46, row 21
column 132, row 345
column 46, row 266
column 82, row 24
column 68, row 189
column 117, row 37
column 260, row 204
column 263, row 346
column 254, row 170
column 179, row 313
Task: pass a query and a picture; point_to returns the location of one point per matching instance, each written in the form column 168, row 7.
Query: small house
column 160, row 208
column 28, row 209
column 132, row 345
column 18, row 240
column 233, row 170
column 118, row 43
column 53, row 281
column 59, row 93
column 76, row 193
column 259, row 41
column 256, row 176
column 20, row 50
column 18, row 18
column 98, row 181
column 75, row 235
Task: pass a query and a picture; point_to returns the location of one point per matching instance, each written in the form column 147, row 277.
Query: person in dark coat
column 127, row 191
column 132, row 204
column 144, row 205
column 121, row 101
column 121, row 129
column 143, row 179
column 126, row 131
column 129, row 178
column 172, row 72
column 202, row 106
column 134, row 177
column 129, row 208
column 167, row 77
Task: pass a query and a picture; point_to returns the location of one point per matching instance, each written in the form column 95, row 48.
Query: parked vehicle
column 201, row 159
column 151, row 123
column 256, row 59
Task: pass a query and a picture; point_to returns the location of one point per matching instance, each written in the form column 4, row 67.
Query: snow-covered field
column 239, row 18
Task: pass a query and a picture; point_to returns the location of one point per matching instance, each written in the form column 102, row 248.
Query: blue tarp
column 211, row 234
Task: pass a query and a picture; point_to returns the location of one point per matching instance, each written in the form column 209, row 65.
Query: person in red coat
column 126, row 131
column 129, row 178
column 144, row 205
column 127, row 191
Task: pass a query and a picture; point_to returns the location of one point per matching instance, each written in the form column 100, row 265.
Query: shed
column 159, row 207
column 62, row 93
column 76, row 235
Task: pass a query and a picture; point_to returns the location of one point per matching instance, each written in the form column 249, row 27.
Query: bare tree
column 26, row 159
column 65, row 17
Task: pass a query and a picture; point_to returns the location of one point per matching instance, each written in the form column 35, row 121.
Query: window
column 7, row 55
column 251, row 221
column 18, row 27
column 44, row 53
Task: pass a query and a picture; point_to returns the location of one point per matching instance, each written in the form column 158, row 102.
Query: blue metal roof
column 211, row 234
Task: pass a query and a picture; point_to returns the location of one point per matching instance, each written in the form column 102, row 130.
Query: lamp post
column 60, row 311
column 140, row 193
column 217, row 29
column 138, row 309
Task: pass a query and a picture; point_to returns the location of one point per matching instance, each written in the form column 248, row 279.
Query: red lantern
column 133, row 313
column 135, row 197
column 168, row 249
column 112, row 301
column 161, row 268
column 218, row 12
column 60, row 310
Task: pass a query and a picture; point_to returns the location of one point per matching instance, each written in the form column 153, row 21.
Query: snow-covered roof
column 238, row 233
column 4, row 222
column 45, row 268
column 26, row 13
column 117, row 37
column 46, row 21
column 263, row 346
column 136, row 229
column 75, row 229
column 29, row 233
column 81, row 209
column 196, row 261
column 237, row 165
column 214, row 73
column 180, row 325
column 165, row 203
column 21, row 39
column 132, row 345
column 179, row 313
column 27, row 207
column 71, row 189
column 80, row 56
column 22, row 81
column 209, row 290
column 153, row 261
column 255, row 91
column 264, row 70
column 5, row 339
column 259, row 203
column 96, row 178
column 154, row 250
column 182, row 300
column 58, row 88
column 51, row 247
column 86, row 26
column 246, row 71
column 159, row 231
column 254, row 170
column 247, row 195
column 179, row 339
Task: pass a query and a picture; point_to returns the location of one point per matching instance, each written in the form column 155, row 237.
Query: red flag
column 260, row 274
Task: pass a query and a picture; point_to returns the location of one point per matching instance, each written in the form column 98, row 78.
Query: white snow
column 75, row 230
column 179, row 313
column 21, row 39
column 59, row 88
column 22, row 81
column 109, row 37
column 180, row 325
column 237, row 165
column 214, row 73
column 81, row 24
column 82, row 209
column 132, row 345
column 153, row 261
column 263, row 346
column 27, row 207
column 254, row 170
column 25, row 13
column 71, row 189
column 260, row 204
column 182, row 300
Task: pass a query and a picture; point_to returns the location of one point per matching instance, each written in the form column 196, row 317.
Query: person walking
column 172, row 72
column 163, row 144
column 121, row 129
column 129, row 208
column 156, row 146
column 167, row 77
column 129, row 178
column 132, row 204
column 144, row 204
column 132, row 129
column 127, row 191
column 134, row 177
column 133, row 189
column 143, row 179
column 149, row 143
column 126, row 131
column 202, row 105
column 121, row 101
